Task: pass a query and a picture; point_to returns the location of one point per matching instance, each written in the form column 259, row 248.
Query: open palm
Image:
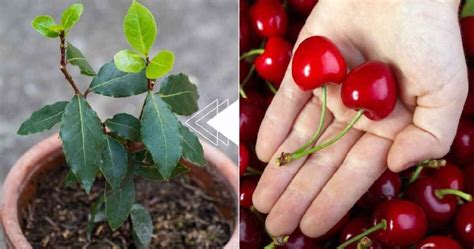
column 422, row 43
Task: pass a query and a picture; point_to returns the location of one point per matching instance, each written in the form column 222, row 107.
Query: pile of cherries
column 427, row 206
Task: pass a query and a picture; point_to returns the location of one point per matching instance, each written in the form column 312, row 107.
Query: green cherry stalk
column 109, row 148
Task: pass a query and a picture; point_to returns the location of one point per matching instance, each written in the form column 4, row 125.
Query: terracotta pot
column 20, row 186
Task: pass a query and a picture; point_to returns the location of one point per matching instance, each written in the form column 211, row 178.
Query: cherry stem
column 287, row 157
column 252, row 171
column 277, row 241
column 252, row 52
column 381, row 225
column 415, row 174
column 322, row 118
column 247, row 78
column 242, row 92
column 440, row 193
column 271, row 87
column 365, row 243
column 430, row 163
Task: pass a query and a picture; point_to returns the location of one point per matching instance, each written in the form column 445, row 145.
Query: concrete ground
column 202, row 33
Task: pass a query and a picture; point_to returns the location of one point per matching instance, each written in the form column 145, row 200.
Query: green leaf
column 57, row 28
column 151, row 172
column 129, row 61
column 71, row 15
column 468, row 9
column 43, row 24
column 43, row 119
column 125, row 126
column 83, row 140
column 139, row 27
column 160, row 134
column 96, row 215
column 180, row 94
column 142, row 224
column 112, row 82
column 119, row 202
column 160, row 65
column 115, row 162
column 75, row 57
column 192, row 148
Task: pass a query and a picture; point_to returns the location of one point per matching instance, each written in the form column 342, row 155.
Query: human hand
column 422, row 42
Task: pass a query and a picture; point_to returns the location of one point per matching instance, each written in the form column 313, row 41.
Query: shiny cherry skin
column 467, row 25
column 439, row 211
column 468, row 172
column 272, row 64
column 386, row 187
column 354, row 227
column 317, row 61
column 252, row 234
column 268, row 18
column 438, row 242
column 302, row 7
column 243, row 158
column 247, row 187
column 464, row 225
column 406, row 223
column 450, row 176
column 463, row 145
column 298, row 240
column 250, row 118
column 371, row 87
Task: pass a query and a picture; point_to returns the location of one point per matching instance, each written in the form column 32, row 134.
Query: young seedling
column 152, row 146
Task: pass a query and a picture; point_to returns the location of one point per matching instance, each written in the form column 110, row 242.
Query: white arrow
column 226, row 122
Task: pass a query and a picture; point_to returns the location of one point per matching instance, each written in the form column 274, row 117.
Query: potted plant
column 119, row 163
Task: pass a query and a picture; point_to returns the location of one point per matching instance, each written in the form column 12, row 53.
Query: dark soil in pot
column 184, row 216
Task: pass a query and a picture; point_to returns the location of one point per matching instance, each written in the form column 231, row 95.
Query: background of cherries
column 419, row 218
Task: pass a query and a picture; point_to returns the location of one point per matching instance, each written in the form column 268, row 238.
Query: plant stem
column 415, row 174
column 271, row 87
column 63, row 63
column 247, row 78
column 286, row 158
column 440, row 193
column 381, row 225
column 242, row 92
column 150, row 82
column 322, row 118
column 252, row 53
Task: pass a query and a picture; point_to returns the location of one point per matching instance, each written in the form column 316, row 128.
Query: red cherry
column 272, row 64
column 294, row 28
column 250, row 118
column 252, row 234
column 464, row 225
column 438, row 242
column 354, row 227
column 439, row 211
column 243, row 6
column 386, row 187
column 247, row 187
column 463, row 145
column 469, row 174
column 298, row 240
column 244, row 69
column 317, row 61
column 243, row 158
column 406, row 223
column 370, row 87
column 303, row 7
column 245, row 34
column 467, row 26
column 450, row 176
column 268, row 18
column 469, row 104
column 255, row 162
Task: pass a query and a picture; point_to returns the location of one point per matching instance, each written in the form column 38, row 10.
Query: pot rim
column 43, row 152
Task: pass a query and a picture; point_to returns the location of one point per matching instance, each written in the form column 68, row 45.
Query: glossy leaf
column 129, row 61
column 192, row 148
column 142, row 224
column 112, row 82
column 43, row 24
column 119, row 202
column 71, row 15
column 43, row 119
column 180, row 94
column 160, row 134
column 115, row 162
column 83, row 140
column 125, row 126
column 96, row 215
column 468, row 9
column 140, row 28
column 160, row 65
column 151, row 172
column 76, row 58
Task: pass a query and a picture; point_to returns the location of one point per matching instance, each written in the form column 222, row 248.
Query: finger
column 310, row 179
column 363, row 165
column 275, row 179
column 435, row 122
column 289, row 99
